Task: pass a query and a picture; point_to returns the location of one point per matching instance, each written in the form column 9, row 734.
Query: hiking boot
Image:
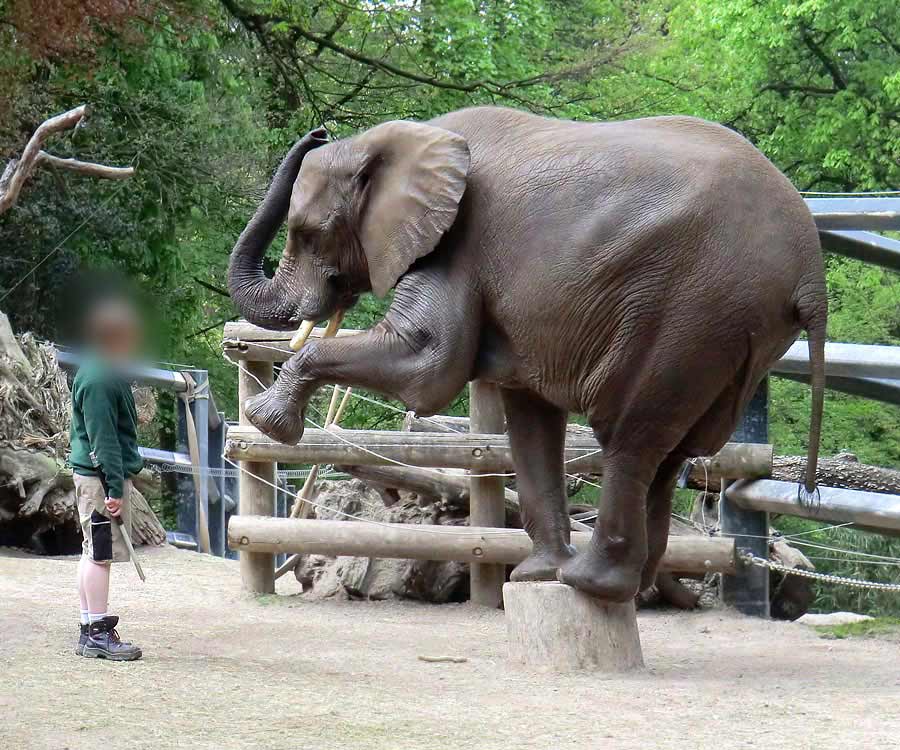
column 103, row 642
column 82, row 639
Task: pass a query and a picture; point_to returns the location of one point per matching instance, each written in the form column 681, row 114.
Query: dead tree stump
column 552, row 627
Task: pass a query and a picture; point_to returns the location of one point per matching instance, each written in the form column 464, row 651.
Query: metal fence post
column 748, row 590
column 187, row 503
column 216, row 511
column 486, row 494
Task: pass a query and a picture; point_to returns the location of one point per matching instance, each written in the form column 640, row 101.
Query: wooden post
column 748, row 591
column 486, row 499
column 256, row 497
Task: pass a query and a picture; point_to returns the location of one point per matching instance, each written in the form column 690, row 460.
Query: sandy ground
column 225, row 670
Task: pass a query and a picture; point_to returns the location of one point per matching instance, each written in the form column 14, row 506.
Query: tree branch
column 85, row 167
column 212, row 287
column 834, row 72
column 257, row 23
column 17, row 172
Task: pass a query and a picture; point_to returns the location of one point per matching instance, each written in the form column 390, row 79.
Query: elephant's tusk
column 302, row 334
column 306, row 328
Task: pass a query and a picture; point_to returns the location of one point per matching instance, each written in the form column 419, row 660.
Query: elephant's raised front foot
column 541, row 566
column 273, row 417
column 594, row 573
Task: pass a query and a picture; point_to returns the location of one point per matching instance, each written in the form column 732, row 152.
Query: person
column 104, row 455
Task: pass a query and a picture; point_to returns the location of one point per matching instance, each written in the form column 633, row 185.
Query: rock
column 832, row 618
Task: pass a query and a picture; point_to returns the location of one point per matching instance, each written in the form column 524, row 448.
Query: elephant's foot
column 542, row 566
column 273, row 417
column 595, row 574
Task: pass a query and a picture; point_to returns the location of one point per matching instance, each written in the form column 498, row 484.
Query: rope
column 854, row 583
column 361, row 519
column 447, row 428
column 396, row 462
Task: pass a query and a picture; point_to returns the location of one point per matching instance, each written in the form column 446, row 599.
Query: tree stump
column 552, row 627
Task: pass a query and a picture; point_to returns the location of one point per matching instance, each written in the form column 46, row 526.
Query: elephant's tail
column 813, row 318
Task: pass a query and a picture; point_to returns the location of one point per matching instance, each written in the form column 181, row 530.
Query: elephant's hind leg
column 659, row 512
column 537, row 432
column 611, row 567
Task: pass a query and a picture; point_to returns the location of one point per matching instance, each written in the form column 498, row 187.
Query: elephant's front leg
column 420, row 372
column 537, row 433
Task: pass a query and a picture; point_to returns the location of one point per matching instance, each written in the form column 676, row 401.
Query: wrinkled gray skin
column 643, row 273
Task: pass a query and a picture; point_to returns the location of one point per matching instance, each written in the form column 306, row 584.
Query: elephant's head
column 360, row 212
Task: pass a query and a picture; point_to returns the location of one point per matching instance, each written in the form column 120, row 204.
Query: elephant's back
column 620, row 231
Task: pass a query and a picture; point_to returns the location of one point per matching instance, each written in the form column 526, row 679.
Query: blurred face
column 114, row 330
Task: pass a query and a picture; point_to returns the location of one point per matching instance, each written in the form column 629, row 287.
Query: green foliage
column 878, row 627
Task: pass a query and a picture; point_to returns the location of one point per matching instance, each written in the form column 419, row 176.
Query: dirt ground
column 226, row 670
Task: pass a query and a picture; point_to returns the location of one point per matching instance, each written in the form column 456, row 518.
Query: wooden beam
column 261, row 534
column 243, row 340
column 476, row 452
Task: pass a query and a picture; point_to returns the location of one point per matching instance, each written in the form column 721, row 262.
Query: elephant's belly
column 497, row 362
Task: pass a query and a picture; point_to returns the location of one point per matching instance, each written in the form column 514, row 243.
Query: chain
column 854, row 583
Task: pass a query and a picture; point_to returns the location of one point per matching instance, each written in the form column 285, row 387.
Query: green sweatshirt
column 104, row 426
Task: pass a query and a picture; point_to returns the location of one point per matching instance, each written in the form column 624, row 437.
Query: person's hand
column 114, row 506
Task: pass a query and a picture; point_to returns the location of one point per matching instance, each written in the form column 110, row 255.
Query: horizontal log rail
column 476, row 452
column 872, row 510
column 264, row 534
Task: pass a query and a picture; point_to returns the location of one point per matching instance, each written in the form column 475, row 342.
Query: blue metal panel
column 877, row 214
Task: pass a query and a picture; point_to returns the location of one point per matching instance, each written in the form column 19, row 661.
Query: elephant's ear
column 415, row 177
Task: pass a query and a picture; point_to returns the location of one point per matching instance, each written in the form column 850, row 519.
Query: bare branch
column 85, row 167
column 23, row 168
column 17, row 172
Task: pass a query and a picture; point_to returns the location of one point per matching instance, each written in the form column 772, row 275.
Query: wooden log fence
column 416, row 453
column 447, row 442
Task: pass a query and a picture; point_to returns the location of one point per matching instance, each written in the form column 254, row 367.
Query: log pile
column 37, row 495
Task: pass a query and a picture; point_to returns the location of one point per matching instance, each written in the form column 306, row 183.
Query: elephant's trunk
column 262, row 300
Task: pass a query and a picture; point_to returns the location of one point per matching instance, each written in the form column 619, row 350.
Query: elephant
column 643, row 273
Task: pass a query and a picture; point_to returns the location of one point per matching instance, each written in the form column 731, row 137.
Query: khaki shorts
column 102, row 536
